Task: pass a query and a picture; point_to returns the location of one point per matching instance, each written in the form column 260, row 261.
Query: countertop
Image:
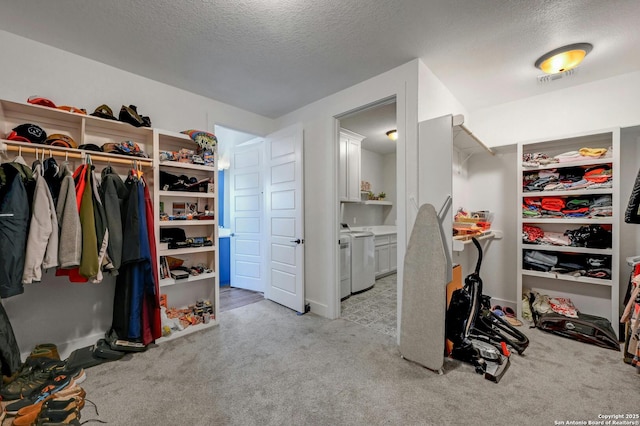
column 377, row 230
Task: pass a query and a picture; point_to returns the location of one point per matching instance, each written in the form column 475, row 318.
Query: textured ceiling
column 273, row 56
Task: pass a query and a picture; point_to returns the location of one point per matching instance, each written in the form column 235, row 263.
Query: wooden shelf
column 377, row 203
column 186, row 194
column 578, row 221
column 186, row 166
column 568, row 193
column 166, row 282
column 586, row 162
column 173, row 223
column 460, row 244
column 62, row 152
column 564, row 277
column 187, row 331
column 170, row 252
column 566, row 249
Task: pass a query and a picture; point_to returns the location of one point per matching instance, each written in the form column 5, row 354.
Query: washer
column 345, row 264
column 363, row 268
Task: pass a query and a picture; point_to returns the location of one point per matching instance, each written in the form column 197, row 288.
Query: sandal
column 510, row 316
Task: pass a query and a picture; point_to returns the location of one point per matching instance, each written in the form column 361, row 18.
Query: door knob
column 297, row 241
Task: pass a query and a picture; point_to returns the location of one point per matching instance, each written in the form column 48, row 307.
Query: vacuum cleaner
column 479, row 336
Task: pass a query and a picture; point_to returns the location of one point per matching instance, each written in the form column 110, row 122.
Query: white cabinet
column 585, row 198
column 349, row 166
column 196, row 213
column 386, row 249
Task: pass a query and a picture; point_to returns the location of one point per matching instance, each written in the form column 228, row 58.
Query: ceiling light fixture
column 563, row 58
column 393, row 135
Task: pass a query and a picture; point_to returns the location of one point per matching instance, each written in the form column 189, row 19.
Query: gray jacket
column 70, row 245
column 42, row 242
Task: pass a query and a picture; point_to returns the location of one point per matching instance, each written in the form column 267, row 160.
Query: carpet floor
column 264, row 365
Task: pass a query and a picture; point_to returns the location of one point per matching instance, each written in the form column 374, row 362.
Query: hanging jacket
column 129, row 271
column 102, row 232
column 14, row 224
column 89, row 265
column 70, row 242
column 113, row 194
column 9, row 351
column 156, row 322
column 42, row 242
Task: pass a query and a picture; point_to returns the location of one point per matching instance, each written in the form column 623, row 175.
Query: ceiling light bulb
column 393, row 135
column 564, row 58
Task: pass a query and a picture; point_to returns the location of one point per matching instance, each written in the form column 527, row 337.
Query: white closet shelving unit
column 185, row 292
column 595, row 296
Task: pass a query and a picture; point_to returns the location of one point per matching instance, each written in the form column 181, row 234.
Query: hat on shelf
column 129, row 114
column 207, row 141
column 58, row 139
column 28, row 133
column 103, row 111
column 90, row 147
column 73, row 109
column 39, row 100
column 124, row 148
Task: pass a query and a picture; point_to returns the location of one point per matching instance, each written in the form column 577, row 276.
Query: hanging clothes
column 70, row 242
column 114, row 194
column 136, row 311
column 15, row 212
column 102, row 231
column 154, row 298
column 128, row 274
column 9, row 351
column 42, row 242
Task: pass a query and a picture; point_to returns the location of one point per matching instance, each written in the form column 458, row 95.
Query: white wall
column 69, row 79
column 613, row 102
column 75, row 315
column 321, row 173
column 371, row 165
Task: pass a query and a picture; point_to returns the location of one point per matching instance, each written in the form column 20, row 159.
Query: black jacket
column 14, row 225
column 9, row 351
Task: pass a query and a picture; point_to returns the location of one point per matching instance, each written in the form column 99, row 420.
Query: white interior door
column 247, row 213
column 284, row 203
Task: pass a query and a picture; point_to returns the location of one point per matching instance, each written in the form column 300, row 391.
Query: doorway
column 374, row 209
column 234, row 292
column 262, row 200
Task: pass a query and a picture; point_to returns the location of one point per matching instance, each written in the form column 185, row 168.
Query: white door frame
column 400, row 184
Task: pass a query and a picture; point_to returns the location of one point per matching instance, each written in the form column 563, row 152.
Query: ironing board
column 422, row 324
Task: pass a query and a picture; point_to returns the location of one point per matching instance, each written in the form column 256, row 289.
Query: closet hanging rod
column 146, row 162
column 458, row 120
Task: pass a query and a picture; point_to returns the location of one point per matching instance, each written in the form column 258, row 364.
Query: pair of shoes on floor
column 33, row 374
column 506, row 313
column 42, row 350
column 61, row 407
column 45, row 375
column 58, row 385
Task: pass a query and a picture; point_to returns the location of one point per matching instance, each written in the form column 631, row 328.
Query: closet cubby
column 591, row 295
column 178, row 209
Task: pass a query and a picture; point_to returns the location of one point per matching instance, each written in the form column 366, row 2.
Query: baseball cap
column 90, row 147
column 39, row 100
column 58, row 139
column 28, row 133
column 73, row 109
